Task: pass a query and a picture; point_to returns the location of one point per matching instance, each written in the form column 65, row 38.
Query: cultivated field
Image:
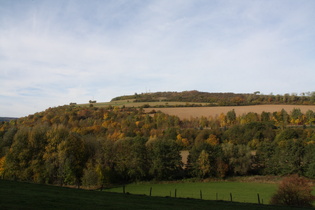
column 188, row 112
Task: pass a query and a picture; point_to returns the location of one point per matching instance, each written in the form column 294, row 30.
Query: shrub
column 293, row 191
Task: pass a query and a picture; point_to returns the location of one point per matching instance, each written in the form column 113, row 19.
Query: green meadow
column 21, row 195
column 240, row 191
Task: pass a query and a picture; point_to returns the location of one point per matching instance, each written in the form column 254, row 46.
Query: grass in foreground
column 17, row 195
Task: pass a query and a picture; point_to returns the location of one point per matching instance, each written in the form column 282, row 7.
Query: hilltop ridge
column 221, row 99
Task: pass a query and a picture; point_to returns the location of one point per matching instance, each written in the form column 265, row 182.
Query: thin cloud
column 57, row 52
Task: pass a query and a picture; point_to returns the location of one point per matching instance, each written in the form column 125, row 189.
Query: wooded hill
column 97, row 146
column 221, row 99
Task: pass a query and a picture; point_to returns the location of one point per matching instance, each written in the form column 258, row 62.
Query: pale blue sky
column 55, row 52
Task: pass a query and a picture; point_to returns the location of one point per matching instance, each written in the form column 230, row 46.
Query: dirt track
column 188, row 112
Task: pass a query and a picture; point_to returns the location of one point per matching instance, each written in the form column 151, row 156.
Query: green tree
column 249, row 117
column 265, row 116
column 56, row 135
column 202, row 136
column 72, row 158
column 198, row 163
column 165, row 159
column 36, row 142
column 203, row 163
column 122, row 157
column 7, row 141
column 105, row 162
column 258, row 130
column 231, row 117
column 90, row 176
column 19, row 157
column 265, row 153
column 310, row 117
column 281, row 118
column 139, row 163
column 288, row 133
column 238, row 157
column 296, row 116
column 309, row 160
column 288, row 157
column 235, row 134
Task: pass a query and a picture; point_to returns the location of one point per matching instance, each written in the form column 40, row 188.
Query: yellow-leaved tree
column 204, row 164
column 2, row 161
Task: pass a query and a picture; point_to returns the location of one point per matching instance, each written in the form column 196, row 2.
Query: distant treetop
column 7, row 119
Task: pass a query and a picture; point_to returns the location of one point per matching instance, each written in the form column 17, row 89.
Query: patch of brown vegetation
column 269, row 179
column 184, row 154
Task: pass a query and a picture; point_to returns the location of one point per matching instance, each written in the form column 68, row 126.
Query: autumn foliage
column 294, row 191
column 98, row 146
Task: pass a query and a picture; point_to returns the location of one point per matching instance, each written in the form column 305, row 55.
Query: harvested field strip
column 139, row 104
column 188, row 112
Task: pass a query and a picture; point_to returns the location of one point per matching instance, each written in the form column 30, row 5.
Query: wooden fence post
column 200, row 194
column 258, row 198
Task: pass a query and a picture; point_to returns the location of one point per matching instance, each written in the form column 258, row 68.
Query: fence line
column 202, row 196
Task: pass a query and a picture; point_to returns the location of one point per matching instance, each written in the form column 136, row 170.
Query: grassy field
column 17, row 195
column 241, row 192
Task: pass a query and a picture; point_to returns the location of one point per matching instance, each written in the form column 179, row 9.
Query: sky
column 53, row 52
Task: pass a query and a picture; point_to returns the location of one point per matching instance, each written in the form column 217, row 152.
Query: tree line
column 223, row 99
column 71, row 145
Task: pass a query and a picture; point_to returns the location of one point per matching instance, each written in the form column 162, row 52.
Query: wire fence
column 200, row 195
